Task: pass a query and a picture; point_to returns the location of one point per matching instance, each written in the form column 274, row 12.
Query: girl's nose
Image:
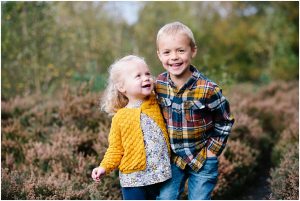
column 146, row 78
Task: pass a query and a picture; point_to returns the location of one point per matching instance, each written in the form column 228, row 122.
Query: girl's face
column 175, row 53
column 137, row 81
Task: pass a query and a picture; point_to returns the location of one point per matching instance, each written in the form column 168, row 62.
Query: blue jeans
column 141, row 193
column 200, row 184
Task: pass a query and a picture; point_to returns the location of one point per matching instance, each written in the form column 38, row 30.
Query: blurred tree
column 91, row 40
column 45, row 44
column 26, row 46
column 254, row 41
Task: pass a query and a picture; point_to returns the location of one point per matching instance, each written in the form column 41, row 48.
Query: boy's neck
column 179, row 81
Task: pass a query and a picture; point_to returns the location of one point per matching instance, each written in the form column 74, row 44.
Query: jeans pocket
column 211, row 166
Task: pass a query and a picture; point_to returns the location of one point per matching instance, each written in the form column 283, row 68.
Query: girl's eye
column 166, row 53
column 137, row 76
column 181, row 51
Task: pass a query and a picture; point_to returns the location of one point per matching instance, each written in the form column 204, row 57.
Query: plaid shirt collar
column 189, row 83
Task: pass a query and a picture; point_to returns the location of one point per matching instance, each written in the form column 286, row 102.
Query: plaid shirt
column 197, row 116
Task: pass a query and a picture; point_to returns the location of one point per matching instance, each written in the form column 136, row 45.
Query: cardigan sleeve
column 115, row 151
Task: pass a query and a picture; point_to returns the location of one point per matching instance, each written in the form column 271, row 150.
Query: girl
column 138, row 139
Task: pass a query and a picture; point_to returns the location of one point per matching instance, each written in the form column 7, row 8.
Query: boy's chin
column 175, row 73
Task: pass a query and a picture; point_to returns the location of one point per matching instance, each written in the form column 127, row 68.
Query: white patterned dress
column 158, row 168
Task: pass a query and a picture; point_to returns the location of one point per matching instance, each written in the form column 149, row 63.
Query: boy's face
column 175, row 53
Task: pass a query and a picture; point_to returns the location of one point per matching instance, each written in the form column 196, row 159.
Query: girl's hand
column 97, row 173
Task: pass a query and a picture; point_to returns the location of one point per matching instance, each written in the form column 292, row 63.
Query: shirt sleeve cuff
column 215, row 146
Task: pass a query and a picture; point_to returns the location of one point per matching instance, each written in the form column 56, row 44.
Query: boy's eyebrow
column 169, row 49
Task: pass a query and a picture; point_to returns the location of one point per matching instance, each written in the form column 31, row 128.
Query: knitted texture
column 126, row 142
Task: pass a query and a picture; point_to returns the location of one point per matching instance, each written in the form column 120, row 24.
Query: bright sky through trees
column 127, row 9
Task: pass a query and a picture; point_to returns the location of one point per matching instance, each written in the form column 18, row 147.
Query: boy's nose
column 174, row 56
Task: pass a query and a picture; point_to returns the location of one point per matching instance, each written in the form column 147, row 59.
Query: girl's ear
column 120, row 88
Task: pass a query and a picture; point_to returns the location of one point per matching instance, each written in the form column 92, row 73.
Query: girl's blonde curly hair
column 112, row 100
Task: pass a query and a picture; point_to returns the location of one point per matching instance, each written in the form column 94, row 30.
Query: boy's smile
column 176, row 53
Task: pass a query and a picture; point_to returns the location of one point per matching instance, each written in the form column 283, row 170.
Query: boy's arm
column 222, row 120
column 114, row 153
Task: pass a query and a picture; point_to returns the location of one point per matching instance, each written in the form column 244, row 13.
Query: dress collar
column 143, row 104
column 136, row 104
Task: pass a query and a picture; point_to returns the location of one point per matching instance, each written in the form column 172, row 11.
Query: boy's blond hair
column 174, row 28
column 112, row 100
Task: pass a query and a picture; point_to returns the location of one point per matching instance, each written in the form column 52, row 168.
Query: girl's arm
column 114, row 153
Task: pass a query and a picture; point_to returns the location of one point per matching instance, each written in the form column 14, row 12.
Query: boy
column 197, row 115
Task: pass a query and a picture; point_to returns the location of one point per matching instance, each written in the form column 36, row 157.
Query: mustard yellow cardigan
column 126, row 142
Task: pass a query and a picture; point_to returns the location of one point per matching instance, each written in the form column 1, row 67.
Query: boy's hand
column 97, row 173
column 210, row 154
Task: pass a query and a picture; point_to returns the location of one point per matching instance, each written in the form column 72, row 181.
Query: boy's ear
column 157, row 52
column 194, row 51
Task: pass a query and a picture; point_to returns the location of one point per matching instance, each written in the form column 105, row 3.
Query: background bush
column 51, row 144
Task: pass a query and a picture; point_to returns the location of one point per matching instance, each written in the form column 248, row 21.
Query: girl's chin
column 148, row 93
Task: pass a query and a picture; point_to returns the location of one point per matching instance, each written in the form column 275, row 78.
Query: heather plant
column 11, row 185
column 275, row 106
column 267, row 122
column 285, row 178
column 46, row 154
column 49, row 145
column 82, row 109
column 236, row 164
column 288, row 139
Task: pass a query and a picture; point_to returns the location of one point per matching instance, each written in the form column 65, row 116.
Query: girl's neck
column 134, row 103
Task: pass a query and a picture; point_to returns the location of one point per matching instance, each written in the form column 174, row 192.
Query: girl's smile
column 136, row 82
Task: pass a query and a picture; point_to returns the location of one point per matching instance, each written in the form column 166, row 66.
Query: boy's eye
column 166, row 53
column 181, row 51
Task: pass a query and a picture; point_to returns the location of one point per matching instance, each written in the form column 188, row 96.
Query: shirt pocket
column 165, row 105
column 194, row 111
